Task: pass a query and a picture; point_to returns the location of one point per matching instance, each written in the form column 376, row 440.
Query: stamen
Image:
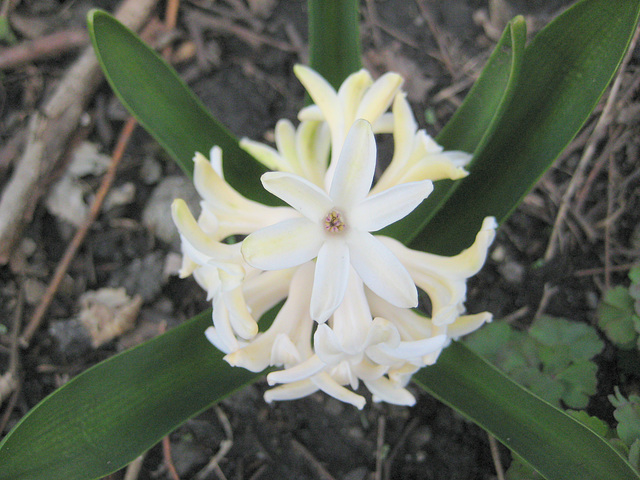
column 334, row 222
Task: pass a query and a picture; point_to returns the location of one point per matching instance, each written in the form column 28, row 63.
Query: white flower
column 359, row 97
column 304, row 151
column 335, row 228
column 416, row 155
column 347, row 315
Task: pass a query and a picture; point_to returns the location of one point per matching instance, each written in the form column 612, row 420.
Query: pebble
column 157, row 213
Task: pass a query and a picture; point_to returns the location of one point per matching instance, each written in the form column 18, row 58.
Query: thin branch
column 495, row 455
column 48, row 46
column 81, row 233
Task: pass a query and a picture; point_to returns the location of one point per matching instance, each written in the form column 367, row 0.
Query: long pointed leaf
column 334, row 38
column 107, row 416
column 556, row 445
column 152, row 91
column 473, row 123
column 565, row 70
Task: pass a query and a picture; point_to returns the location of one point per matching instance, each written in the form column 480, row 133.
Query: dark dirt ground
column 247, row 81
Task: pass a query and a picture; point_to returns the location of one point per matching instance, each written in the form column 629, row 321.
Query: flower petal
column 307, row 198
column 381, row 271
column 303, row 370
column 378, row 98
column 330, row 279
column 355, row 168
column 322, row 93
column 327, row 346
column 192, row 232
column 329, row 386
column 290, row 391
column 283, row 245
column 352, row 319
column 265, row 154
column 384, row 390
column 313, row 142
column 351, row 92
column 389, row 206
column 467, row 323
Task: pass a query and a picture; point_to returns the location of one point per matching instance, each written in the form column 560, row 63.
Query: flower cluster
column 348, row 296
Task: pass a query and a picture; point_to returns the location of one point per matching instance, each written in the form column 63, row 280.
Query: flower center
column 334, row 222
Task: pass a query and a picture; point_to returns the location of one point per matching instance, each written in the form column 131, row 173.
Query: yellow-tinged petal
column 307, row 198
column 384, row 208
column 384, row 390
column 467, row 323
column 351, row 92
column 283, row 245
column 352, row 319
column 330, row 279
column 378, row 98
column 290, row 391
column 381, row 271
column 322, row 93
column 303, row 370
column 328, row 385
column 355, row 168
column 189, row 228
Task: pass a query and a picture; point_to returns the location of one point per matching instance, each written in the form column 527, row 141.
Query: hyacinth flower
column 349, row 295
column 527, row 104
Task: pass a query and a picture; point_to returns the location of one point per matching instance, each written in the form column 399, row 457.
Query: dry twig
column 166, row 453
column 320, row 471
column 495, row 455
column 81, row 233
column 50, row 129
column 225, row 446
column 43, row 47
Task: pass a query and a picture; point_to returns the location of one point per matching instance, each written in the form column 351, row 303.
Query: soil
column 249, row 85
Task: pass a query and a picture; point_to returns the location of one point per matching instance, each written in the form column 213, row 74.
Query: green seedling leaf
column 152, row 91
column 627, row 413
column 634, row 454
column 580, row 383
column 558, row 446
column 553, row 359
column 563, row 73
column 107, row 416
column 565, row 341
column 594, row 423
column 617, row 317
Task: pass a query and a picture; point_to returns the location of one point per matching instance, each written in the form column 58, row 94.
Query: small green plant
column 619, row 313
column 553, row 358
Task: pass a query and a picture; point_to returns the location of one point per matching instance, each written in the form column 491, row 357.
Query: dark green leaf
column 152, row 91
column 564, row 72
column 616, row 314
column 474, row 122
column 334, row 39
column 107, row 416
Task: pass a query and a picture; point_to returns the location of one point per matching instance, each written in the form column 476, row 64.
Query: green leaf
column 474, row 122
column 616, row 314
column 334, row 39
column 107, row 416
column 559, row 447
column 552, row 359
column 627, row 413
column 564, row 72
column 152, row 91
